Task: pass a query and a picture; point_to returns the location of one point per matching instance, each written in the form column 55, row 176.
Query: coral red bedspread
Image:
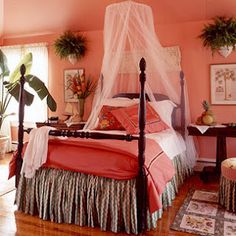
column 113, row 159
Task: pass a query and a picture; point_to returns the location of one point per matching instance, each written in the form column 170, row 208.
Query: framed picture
column 223, row 84
column 69, row 77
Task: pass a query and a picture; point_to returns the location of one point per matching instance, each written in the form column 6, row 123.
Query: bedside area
column 220, row 132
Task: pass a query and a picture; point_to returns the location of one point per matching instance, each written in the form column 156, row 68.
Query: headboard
column 178, row 122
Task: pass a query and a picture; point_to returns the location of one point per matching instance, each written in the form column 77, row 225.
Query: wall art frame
column 223, row 84
column 69, row 76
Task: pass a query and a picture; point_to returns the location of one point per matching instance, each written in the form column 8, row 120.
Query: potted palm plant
column 10, row 88
column 220, row 35
column 71, row 46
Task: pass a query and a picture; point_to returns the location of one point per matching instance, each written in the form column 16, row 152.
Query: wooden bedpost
column 182, row 102
column 20, row 127
column 142, row 178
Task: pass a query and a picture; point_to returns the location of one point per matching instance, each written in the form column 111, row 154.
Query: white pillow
column 164, row 109
column 120, row 102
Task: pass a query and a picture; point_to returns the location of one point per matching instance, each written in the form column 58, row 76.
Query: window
column 38, row 110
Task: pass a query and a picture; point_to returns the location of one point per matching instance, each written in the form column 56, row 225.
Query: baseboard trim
column 202, row 162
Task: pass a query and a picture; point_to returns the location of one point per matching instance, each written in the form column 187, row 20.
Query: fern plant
column 70, row 43
column 220, row 33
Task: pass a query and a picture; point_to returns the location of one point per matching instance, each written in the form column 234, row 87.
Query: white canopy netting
column 129, row 35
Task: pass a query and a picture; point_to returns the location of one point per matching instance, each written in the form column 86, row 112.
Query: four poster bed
column 122, row 180
column 97, row 182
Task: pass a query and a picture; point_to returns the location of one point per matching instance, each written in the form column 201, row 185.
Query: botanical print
column 205, row 196
column 202, row 208
column 223, row 84
column 197, row 223
column 229, row 228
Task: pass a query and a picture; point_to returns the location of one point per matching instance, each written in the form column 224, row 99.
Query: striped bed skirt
column 227, row 193
column 87, row 200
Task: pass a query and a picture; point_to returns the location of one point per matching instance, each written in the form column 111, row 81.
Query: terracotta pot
column 3, row 145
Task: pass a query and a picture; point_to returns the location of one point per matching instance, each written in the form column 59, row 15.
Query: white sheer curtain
column 129, row 34
column 38, row 110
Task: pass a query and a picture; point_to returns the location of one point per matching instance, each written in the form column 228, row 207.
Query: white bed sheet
column 171, row 142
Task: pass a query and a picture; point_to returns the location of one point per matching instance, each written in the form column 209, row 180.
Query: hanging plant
column 71, row 46
column 220, row 33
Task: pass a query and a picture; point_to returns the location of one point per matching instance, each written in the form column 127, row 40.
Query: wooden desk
column 61, row 125
column 221, row 151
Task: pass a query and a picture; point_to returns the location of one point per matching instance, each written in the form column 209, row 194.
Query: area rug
column 201, row 214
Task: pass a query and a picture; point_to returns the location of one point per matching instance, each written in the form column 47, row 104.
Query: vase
column 81, row 108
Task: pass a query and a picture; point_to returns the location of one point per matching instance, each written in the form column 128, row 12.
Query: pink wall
column 195, row 62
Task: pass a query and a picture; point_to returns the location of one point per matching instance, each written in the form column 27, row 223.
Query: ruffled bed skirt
column 87, row 200
column 227, row 194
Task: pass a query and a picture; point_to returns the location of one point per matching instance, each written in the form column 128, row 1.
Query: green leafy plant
column 220, row 33
column 70, row 43
column 11, row 87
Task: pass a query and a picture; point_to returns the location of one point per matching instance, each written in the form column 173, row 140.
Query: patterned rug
column 201, row 214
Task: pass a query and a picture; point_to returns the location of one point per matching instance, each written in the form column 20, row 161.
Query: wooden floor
column 16, row 223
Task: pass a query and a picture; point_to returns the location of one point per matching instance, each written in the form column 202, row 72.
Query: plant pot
column 3, row 145
column 225, row 50
column 72, row 59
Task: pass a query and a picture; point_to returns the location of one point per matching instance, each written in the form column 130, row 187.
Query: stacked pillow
column 122, row 114
column 106, row 120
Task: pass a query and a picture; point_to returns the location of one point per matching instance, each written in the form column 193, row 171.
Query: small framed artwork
column 70, row 76
column 223, row 84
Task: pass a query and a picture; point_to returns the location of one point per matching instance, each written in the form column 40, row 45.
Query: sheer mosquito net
column 129, row 35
